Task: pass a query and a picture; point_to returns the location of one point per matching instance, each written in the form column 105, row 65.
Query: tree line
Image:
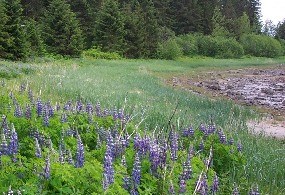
column 132, row 28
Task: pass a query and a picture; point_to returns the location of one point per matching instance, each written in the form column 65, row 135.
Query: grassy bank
column 139, row 87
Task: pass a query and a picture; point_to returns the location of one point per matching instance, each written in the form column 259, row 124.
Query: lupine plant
column 79, row 147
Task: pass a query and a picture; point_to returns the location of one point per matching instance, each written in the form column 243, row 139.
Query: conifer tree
column 61, row 31
column 3, row 34
column 14, row 45
column 218, row 22
column 109, row 29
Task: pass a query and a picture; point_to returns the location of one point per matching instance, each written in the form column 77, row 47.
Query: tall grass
column 138, row 85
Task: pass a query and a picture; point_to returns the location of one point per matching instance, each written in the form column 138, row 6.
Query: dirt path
column 263, row 88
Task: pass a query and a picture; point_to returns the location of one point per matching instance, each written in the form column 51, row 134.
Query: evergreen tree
column 3, row 34
column 85, row 11
column 34, row 38
column 280, row 30
column 150, row 30
column 109, row 29
column 13, row 43
column 61, row 31
column 243, row 25
column 219, row 23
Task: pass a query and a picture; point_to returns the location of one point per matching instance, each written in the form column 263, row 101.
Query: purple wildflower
column 46, row 172
column 188, row 132
column 182, row 186
column 39, row 107
column 63, row 118
column 38, row 152
column 18, row 111
column 173, row 145
column 239, row 146
column 215, row 185
column 108, row 175
column 28, row 112
column 136, row 174
column 98, row 109
column 203, row 186
column 222, row 137
column 154, row 156
column 69, row 158
column 231, row 141
column 187, row 171
column 13, row 145
column 4, row 145
column 254, row 191
column 80, row 153
column 89, row 108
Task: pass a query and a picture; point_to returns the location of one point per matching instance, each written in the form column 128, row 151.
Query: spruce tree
column 280, row 30
column 3, row 34
column 110, row 32
column 14, row 45
column 61, row 31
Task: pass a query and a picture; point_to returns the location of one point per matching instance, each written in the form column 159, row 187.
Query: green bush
column 169, row 50
column 228, row 48
column 282, row 42
column 96, row 53
column 261, row 45
column 188, row 43
column 219, row 47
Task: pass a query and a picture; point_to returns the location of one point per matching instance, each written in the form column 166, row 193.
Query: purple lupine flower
column 89, row 108
column 79, row 106
column 127, row 178
column 231, row 141
column 203, row 188
column 5, row 125
column 173, row 145
column 154, row 156
column 50, row 109
column 215, row 185
column 63, row 118
column 115, row 114
column 171, row 189
column 108, row 175
column 136, row 174
column 254, row 191
column 188, row 132
column 13, row 145
column 39, row 107
column 18, row 111
column 222, row 137
column 182, row 186
column 45, row 116
column 120, row 114
column 239, row 146
column 31, row 96
column 46, row 172
column 163, row 153
column 28, row 112
column 141, row 144
column 22, row 87
column 187, row 171
column 211, row 128
column 38, row 152
column 106, row 112
column 4, row 145
column 69, row 158
column 202, row 128
column 98, row 109
column 80, row 153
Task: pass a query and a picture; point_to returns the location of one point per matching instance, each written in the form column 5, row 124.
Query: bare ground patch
column 263, row 88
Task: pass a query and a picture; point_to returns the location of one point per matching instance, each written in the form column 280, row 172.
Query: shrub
column 169, row 50
column 261, row 45
column 228, row 48
column 96, row 53
column 282, row 42
column 188, row 44
column 219, row 47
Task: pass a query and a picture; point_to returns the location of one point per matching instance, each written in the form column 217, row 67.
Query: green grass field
column 139, row 87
